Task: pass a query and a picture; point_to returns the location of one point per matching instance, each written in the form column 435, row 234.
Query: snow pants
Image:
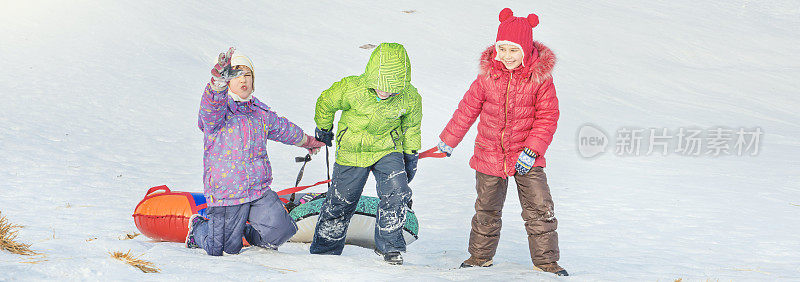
column 269, row 226
column 342, row 198
column 537, row 211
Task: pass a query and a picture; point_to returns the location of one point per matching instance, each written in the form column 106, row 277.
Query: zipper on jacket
column 340, row 137
column 395, row 137
column 505, row 121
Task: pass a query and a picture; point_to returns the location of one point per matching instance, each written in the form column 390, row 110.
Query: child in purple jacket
column 237, row 173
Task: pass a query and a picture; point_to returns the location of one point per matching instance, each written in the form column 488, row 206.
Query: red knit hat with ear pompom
column 517, row 31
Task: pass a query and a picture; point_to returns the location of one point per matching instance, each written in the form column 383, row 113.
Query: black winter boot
column 552, row 267
column 193, row 222
column 476, row 262
column 393, row 258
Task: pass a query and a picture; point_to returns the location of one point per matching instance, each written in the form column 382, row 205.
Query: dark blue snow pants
column 269, row 227
column 342, row 199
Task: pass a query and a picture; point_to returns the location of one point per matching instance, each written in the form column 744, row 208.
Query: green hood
column 371, row 128
column 389, row 68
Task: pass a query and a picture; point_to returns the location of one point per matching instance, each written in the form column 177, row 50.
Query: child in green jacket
column 378, row 132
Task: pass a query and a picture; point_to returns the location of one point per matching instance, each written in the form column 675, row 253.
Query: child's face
column 509, row 55
column 384, row 95
column 243, row 84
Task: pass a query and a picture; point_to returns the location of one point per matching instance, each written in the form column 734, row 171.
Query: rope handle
column 432, row 153
column 305, row 161
column 288, row 191
column 162, row 187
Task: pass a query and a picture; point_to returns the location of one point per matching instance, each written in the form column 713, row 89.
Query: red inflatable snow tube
column 164, row 215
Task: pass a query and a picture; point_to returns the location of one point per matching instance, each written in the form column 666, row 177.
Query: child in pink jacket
column 516, row 101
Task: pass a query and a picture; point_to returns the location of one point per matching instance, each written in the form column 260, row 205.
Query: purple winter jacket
column 237, row 168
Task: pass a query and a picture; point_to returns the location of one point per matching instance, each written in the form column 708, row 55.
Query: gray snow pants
column 342, row 199
column 269, row 226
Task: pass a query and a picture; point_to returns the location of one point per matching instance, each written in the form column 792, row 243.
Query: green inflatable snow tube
column 361, row 231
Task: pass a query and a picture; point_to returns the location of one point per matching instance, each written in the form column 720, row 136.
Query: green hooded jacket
column 370, row 128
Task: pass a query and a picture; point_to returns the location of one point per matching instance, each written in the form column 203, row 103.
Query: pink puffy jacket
column 518, row 109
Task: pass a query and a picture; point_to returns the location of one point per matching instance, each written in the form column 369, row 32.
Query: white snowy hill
column 99, row 101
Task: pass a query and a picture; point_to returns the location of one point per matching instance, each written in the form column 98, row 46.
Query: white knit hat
column 239, row 59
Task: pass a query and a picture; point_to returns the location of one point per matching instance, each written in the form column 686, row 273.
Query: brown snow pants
column 537, row 211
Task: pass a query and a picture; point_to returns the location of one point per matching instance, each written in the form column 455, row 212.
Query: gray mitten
column 223, row 72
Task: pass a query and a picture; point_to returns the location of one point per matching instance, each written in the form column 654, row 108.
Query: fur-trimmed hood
column 540, row 70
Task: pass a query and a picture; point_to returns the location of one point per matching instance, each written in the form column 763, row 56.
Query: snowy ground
column 99, row 102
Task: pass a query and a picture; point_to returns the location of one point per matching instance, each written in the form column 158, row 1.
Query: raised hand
column 223, row 72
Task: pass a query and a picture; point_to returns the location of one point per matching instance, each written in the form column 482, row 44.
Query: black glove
column 324, row 136
column 411, row 164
